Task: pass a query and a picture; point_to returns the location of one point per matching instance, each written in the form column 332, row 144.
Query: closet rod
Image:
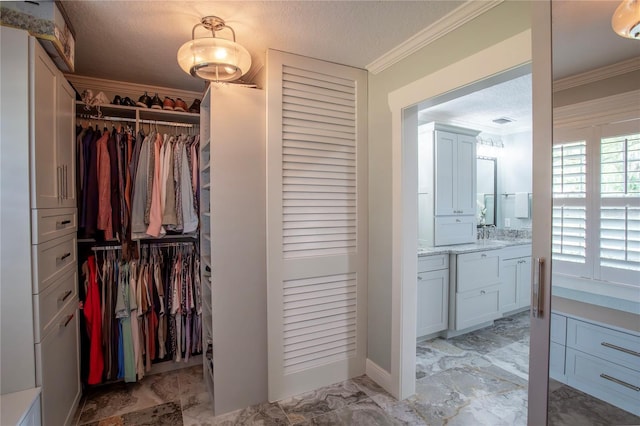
column 178, row 244
column 133, row 120
column 507, row 194
column 106, row 248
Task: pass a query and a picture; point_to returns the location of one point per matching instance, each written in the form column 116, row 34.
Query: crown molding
column 598, row 74
column 123, row 88
column 625, row 106
column 451, row 21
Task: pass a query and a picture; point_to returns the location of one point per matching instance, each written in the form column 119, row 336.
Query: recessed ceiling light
column 503, row 120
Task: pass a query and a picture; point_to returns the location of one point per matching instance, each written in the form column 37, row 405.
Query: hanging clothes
column 93, row 319
column 142, row 311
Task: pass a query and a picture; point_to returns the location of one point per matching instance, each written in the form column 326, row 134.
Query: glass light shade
column 626, row 19
column 215, row 59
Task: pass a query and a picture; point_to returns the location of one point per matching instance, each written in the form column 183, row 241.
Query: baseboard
column 378, row 375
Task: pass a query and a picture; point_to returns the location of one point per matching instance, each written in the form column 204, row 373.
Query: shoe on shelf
column 128, row 102
column 180, row 105
column 168, row 103
column 156, row 102
column 195, row 106
column 144, row 101
column 117, row 100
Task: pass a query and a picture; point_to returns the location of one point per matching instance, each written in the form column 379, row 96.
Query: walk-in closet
column 140, row 238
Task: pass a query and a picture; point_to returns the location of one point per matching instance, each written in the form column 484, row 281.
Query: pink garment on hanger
column 155, row 228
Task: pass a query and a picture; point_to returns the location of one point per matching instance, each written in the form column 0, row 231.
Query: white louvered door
column 317, row 223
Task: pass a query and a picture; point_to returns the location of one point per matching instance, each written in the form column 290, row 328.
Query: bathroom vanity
column 465, row 287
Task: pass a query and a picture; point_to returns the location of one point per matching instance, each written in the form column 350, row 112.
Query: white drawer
column 57, row 369
column 558, row 328
column 48, row 303
column 47, row 224
column 514, row 252
column 51, row 260
column 610, row 382
column 433, row 263
column 612, row 345
column 454, row 230
column 477, row 270
column 477, row 306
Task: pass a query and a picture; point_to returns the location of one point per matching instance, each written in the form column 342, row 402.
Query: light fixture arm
column 213, row 24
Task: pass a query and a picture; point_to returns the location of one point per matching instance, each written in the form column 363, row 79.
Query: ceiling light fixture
column 213, row 58
column 626, row 19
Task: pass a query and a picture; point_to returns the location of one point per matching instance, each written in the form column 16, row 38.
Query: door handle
column 59, row 177
column 537, row 289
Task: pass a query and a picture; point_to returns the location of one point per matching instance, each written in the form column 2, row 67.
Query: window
column 569, row 204
column 596, row 209
column 620, row 202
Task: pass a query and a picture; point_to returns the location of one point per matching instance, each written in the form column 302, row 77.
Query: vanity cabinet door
column 433, row 301
column 466, row 175
column 523, row 280
column 446, row 165
column 509, row 286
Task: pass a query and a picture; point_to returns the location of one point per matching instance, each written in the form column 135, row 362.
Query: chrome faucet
column 486, row 231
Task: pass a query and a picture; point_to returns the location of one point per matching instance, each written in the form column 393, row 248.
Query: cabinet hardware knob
column 620, row 348
column 483, row 255
column 64, row 256
column 420, row 278
column 68, row 320
column 65, row 295
column 620, row 382
column 62, row 224
column 483, row 292
column 458, row 221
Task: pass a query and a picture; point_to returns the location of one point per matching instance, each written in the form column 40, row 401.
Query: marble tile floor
column 472, row 380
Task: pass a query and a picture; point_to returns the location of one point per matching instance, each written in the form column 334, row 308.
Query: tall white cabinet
column 233, row 248
column 447, row 184
column 39, row 263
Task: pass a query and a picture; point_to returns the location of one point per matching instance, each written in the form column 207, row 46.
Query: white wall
column 514, row 175
column 500, row 23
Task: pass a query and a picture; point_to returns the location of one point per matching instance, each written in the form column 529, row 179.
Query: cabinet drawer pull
column 458, row 221
column 64, row 256
column 620, row 348
column 65, row 296
column 483, row 292
column 67, row 321
column 419, row 278
column 62, row 224
column 620, row 382
column 483, row 255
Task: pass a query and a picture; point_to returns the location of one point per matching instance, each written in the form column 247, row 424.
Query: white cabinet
column 433, row 294
column 447, row 182
column 53, row 152
column 596, row 359
column 515, row 270
column 455, row 174
column 233, row 235
column 39, row 263
column 477, row 289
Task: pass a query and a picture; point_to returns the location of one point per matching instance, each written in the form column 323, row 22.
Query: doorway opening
column 474, row 168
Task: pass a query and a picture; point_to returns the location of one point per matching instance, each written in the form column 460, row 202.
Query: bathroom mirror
column 486, row 190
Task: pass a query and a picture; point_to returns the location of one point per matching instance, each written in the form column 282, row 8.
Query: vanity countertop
column 480, row 245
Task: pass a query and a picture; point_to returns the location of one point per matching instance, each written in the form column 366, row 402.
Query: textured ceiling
column 583, row 39
column 137, row 41
column 476, row 110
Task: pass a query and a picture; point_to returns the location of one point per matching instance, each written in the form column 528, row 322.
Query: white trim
column 505, row 55
column 378, row 375
column 599, row 111
column 123, row 88
column 598, row 74
column 616, row 290
column 451, row 21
